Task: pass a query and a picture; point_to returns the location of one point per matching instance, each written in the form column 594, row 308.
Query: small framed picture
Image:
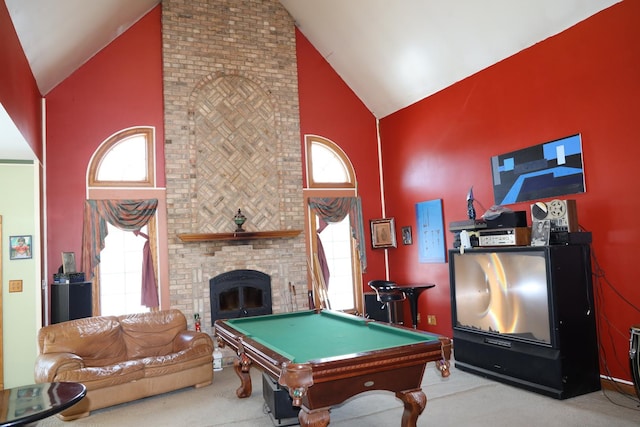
column 20, row 247
column 540, row 231
column 383, row 233
column 68, row 262
column 407, row 239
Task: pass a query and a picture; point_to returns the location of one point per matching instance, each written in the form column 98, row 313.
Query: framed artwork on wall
column 407, row 238
column 383, row 233
column 20, row 247
column 430, row 231
column 542, row 171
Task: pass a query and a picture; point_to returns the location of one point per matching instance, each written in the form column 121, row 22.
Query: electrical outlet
column 15, row 285
column 431, row 319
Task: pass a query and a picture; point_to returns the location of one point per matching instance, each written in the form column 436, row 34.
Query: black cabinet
column 525, row 316
column 279, row 402
column 70, row 301
column 376, row 310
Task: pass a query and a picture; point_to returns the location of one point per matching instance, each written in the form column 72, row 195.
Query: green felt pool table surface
column 305, row 336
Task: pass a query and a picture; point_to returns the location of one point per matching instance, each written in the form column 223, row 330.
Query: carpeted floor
column 461, row 400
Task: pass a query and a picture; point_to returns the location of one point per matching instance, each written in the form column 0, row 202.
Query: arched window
column 123, row 169
column 327, row 165
column 124, row 160
column 334, row 226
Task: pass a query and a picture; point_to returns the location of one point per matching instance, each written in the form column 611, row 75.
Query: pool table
column 325, row 357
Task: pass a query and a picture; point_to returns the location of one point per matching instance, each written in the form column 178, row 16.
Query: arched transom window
column 125, row 159
column 327, row 165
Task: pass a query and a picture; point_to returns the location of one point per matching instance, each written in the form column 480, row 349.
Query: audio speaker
column 278, row 402
column 70, row 301
column 634, row 356
column 376, row 310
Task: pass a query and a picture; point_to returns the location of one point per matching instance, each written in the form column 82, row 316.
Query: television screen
column 501, row 293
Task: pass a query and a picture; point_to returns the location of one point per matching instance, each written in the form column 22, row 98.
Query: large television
column 504, row 294
column 525, row 316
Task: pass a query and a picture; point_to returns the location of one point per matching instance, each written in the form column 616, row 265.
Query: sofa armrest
column 49, row 365
column 190, row 339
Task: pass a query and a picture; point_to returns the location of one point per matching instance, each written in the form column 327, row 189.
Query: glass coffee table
column 26, row 404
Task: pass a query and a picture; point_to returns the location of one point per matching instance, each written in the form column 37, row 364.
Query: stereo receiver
column 516, row 236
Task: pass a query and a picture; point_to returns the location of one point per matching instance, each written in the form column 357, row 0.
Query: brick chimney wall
column 232, row 142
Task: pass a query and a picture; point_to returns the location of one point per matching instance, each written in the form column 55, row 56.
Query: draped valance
column 335, row 209
column 129, row 215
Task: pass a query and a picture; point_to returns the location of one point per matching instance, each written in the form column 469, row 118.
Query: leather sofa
column 124, row 358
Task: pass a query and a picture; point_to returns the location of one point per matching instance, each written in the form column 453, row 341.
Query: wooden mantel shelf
column 242, row 235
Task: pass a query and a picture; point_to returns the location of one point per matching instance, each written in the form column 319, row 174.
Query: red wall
column 329, row 108
column 19, row 94
column 585, row 80
column 120, row 87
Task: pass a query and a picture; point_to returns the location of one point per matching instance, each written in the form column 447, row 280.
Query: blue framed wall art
column 430, row 231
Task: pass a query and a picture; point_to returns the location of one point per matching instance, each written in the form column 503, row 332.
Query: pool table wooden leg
column 242, row 365
column 414, row 403
column 314, row 418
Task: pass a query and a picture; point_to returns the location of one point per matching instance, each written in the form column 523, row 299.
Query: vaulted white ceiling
column 391, row 53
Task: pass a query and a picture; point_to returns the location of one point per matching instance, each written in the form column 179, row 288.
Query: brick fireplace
column 232, row 141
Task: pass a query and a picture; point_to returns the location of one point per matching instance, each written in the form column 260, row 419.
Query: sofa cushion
column 104, row 376
column 175, row 362
column 97, row 340
column 151, row 334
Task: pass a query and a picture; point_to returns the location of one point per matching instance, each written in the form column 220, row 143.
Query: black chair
column 387, row 293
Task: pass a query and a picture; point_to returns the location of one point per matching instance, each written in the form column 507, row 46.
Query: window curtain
column 128, row 215
column 322, row 257
column 334, row 209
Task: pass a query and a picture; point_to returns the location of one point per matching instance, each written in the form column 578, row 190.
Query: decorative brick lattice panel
column 235, row 153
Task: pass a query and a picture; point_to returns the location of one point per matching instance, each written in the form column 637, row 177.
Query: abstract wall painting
column 546, row 170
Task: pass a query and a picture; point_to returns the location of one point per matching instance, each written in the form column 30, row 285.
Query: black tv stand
column 547, row 371
column 506, row 379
